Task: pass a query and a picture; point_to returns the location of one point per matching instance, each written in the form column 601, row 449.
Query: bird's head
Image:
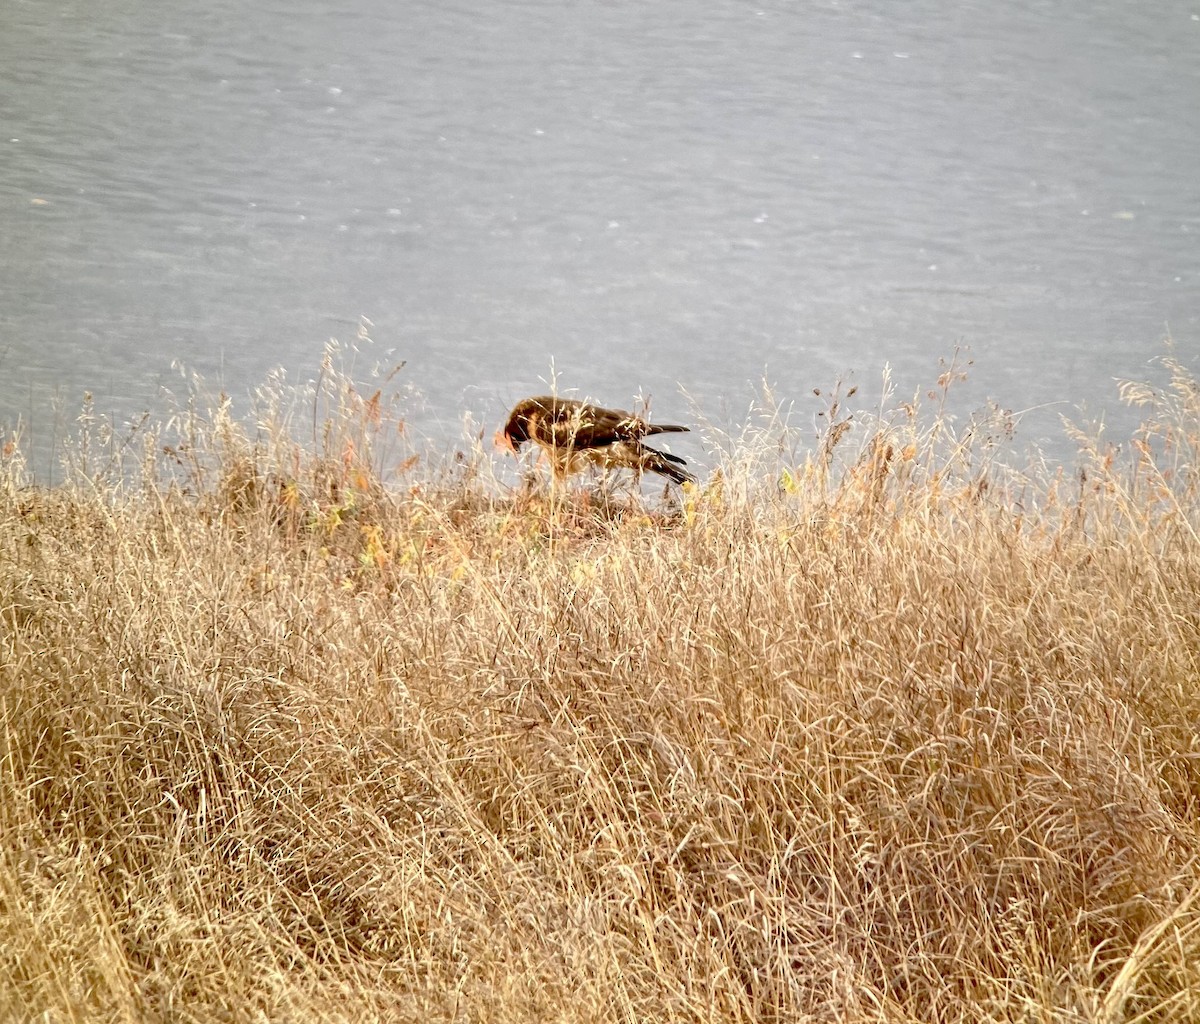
column 515, row 432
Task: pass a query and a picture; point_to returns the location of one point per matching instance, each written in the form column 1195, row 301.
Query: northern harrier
column 576, row 434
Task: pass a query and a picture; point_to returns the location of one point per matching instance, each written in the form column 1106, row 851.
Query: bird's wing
column 570, row 424
column 567, row 423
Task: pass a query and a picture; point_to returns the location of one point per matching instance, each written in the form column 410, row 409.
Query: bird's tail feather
column 667, row 428
column 668, row 465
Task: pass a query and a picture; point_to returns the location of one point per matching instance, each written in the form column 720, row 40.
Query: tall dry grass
column 880, row 732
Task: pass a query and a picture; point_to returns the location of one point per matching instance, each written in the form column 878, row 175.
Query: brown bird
column 576, row 434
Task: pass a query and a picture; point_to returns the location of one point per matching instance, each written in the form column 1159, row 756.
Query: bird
column 577, row 434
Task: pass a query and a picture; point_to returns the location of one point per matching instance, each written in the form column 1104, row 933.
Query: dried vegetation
column 884, row 732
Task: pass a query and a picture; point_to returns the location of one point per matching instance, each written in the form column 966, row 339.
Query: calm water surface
column 693, row 193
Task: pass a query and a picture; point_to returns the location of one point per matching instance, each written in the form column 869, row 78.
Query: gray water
column 693, row 194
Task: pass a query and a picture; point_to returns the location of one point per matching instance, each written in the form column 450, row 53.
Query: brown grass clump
column 897, row 737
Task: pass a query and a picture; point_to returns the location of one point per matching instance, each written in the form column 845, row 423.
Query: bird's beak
column 502, row 440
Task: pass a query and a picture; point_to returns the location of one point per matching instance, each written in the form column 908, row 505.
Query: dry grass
column 891, row 737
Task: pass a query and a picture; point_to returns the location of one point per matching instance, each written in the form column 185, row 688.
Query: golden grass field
column 864, row 729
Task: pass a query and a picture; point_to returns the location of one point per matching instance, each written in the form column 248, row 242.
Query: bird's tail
column 668, row 465
column 666, row 428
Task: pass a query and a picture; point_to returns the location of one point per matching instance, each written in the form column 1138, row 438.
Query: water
column 689, row 193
